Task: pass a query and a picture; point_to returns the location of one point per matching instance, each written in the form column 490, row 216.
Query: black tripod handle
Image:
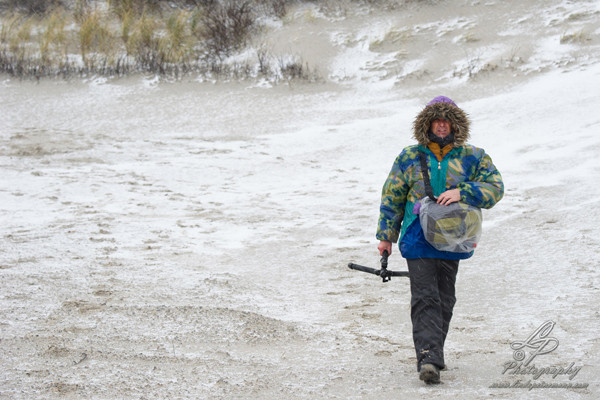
column 374, row 271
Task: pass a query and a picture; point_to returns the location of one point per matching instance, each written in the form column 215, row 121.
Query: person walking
column 458, row 172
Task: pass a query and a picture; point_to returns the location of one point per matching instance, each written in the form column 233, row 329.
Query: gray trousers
column 433, row 297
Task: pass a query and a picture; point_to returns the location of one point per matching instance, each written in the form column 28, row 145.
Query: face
column 440, row 127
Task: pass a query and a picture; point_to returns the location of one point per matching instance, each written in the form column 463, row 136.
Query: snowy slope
column 190, row 240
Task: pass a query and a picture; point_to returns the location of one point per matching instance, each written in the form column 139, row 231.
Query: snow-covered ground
column 190, row 240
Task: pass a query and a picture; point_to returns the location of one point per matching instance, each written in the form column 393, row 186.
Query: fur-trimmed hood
column 445, row 109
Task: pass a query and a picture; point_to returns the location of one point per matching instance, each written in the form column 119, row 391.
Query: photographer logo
column 524, row 369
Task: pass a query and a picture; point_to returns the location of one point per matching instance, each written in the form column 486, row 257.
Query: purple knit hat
column 442, row 99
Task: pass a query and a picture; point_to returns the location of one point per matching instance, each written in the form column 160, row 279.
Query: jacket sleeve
column 393, row 201
column 485, row 187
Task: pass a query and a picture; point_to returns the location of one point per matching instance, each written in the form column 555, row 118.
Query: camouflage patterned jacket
column 460, row 165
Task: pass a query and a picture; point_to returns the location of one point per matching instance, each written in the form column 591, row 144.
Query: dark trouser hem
column 432, row 289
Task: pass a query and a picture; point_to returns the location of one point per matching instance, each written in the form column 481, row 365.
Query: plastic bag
column 455, row 227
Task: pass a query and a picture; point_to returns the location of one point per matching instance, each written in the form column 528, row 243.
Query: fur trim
column 457, row 117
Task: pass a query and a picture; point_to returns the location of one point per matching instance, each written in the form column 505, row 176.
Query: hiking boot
column 429, row 374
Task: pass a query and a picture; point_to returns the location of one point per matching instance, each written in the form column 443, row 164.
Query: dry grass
column 80, row 37
column 53, row 39
column 574, row 37
column 94, row 37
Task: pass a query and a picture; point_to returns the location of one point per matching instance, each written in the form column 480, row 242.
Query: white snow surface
column 190, row 240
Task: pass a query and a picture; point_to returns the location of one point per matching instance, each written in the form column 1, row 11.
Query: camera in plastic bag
column 455, row 227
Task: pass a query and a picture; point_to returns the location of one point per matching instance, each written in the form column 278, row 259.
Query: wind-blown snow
column 190, row 240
